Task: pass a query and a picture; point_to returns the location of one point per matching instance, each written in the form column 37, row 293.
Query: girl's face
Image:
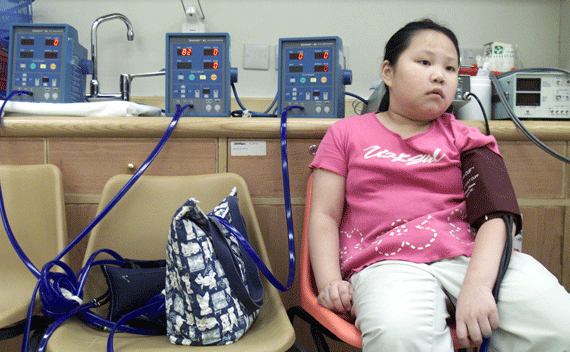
column 423, row 82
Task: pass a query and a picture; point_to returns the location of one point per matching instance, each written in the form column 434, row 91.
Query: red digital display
column 528, row 99
column 322, row 55
column 321, row 68
column 26, row 54
column 184, row 51
column 296, row 56
column 211, row 52
column 183, row 65
column 529, row 84
column 211, row 65
column 52, row 42
column 50, row 55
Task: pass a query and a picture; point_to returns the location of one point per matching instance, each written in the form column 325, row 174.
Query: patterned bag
column 213, row 292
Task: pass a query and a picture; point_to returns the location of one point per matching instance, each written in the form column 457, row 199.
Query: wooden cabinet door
column 543, row 230
column 534, row 173
column 15, row 151
column 87, row 164
column 263, row 172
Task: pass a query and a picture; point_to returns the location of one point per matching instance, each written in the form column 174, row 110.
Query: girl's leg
column 534, row 309
column 400, row 306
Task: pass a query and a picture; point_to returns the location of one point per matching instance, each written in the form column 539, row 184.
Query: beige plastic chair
column 138, row 227
column 33, row 197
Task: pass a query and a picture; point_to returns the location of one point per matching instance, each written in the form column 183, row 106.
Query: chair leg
column 319, row 339
column 38, row 322
column 317, row 330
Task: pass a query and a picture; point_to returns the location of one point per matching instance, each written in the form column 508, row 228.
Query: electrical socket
column 256, row 57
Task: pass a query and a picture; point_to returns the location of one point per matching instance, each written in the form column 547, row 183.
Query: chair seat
column 17, row 295
column 272, row 325
column 343, row 329
column 143, row 219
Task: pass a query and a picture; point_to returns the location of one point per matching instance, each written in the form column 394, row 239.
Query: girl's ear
column 387, row 72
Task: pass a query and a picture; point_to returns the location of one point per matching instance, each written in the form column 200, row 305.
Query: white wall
column 363, row 25
column 564, row 35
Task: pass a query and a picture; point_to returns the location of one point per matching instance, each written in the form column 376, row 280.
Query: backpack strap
column 250, row 293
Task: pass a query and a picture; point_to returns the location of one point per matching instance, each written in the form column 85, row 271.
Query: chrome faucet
column 94, row 84
column 127, row 80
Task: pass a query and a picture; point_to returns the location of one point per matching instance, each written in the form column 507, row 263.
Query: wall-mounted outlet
column 256, row 57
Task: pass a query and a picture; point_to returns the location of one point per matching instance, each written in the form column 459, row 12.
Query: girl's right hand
column 337, row 296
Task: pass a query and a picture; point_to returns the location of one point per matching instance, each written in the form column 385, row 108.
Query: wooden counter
column 193, row 127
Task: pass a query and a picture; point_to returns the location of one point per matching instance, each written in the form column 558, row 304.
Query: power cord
column 466, row 96
column 244, row 112
column 355, row 104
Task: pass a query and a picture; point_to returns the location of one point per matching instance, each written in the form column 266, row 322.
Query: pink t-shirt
column 404, row 197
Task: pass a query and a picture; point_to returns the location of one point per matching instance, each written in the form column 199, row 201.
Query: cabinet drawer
column 87, row 164
column 543, row 229
column 534, row 173
column 263, row 173
column 22, row 151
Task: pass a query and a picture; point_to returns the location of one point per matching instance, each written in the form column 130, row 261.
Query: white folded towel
column 91, row 109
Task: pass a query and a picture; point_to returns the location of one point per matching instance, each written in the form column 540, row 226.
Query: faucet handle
column 126, row 80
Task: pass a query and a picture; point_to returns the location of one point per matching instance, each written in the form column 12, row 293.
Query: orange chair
column 323, row 321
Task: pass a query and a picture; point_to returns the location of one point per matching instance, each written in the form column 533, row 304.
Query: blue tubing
column 288, row 215
column 10, row 96
column 287, row 196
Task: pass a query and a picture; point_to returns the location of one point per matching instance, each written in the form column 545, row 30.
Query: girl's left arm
column 476, row 313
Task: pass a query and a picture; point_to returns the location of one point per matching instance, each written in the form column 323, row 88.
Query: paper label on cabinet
column 247, row 148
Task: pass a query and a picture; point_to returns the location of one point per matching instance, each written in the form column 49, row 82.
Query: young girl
column 387, row 195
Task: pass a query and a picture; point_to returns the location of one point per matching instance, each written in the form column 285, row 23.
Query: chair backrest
column 341, row 328
column 34, row 202
column 138, row 226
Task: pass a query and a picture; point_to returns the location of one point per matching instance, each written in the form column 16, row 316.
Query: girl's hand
column 337, row 296
column 476, row 314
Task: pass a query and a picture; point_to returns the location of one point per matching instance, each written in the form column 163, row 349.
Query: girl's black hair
column 400, row 42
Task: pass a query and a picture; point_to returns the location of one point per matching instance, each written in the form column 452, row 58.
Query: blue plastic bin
column 3, row 73
column 13, row 11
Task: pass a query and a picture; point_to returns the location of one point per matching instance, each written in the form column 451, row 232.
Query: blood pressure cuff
column 488, row 190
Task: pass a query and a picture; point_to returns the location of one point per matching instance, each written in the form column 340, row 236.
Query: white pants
column 403, row 306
